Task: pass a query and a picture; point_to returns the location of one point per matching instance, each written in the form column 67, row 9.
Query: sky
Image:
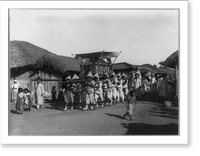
column 142, row 36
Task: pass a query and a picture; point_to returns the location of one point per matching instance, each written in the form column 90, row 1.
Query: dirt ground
column 150, row 118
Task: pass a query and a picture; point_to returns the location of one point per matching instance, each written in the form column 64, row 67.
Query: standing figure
column 68, row 94
column 120, row 87
column 125, row 84
column 138, row 72
column 164, row 88
column 53, row 93
column 145, row 84
column 20, row 101
column 153, row 86
column 98, row 91
column 76, row 91
column 15, row 88
column 107, row 95
column 89, row 86
column 28, row 99
column 39, row 93
column 130, row 104
column 113, row 86
column 137, row 85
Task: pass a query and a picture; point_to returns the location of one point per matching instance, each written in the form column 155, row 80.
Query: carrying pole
column 117, row 57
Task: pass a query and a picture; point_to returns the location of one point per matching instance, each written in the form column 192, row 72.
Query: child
column 20, row 101
column 54, row 93
column 131, row 104
column 28, row 100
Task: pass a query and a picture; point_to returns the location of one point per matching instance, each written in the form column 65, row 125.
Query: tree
column 155, row 65
column 161, row 64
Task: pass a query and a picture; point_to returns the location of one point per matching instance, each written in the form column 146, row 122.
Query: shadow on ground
column 114, row 115
column 14, row 111
column 57, row 105
column 165, row 112
column 151, row 129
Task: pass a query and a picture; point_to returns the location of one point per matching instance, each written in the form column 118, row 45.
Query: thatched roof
column 171, row 60
column 122, row 65
column 26, row 54
column 144, row 68
column 149, row 68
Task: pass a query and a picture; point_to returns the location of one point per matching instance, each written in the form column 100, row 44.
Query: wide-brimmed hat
column 75, row 77
column 68, row 78
column 90, row 75
column 96, row 75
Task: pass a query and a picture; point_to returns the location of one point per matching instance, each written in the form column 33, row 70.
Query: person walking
column 125, row 85
column 68, row 95
column 130, row 104
column 39, row 93
column 76, row 91
column 89, row 86
column 98, row 91
column 120, row 87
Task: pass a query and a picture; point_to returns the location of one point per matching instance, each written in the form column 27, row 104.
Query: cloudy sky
column 143, row 36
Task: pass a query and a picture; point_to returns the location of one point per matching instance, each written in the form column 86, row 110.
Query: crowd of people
column 114, row 88
column 96, row 92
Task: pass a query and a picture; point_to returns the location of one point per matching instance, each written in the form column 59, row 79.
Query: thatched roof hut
column 122, row 66
column 172, row 60
column 25, row 54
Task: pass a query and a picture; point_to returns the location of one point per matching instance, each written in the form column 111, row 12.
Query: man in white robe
column 39, row 93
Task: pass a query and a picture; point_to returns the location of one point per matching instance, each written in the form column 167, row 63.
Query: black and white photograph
column 94, row 72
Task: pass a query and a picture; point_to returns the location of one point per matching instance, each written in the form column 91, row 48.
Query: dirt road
column 149, row 119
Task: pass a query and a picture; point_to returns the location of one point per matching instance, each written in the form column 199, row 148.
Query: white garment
column 26, row 97
column 39, row 93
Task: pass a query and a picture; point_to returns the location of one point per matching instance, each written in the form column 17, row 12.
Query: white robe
column 39, row 93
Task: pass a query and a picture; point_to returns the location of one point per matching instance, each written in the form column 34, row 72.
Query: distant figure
column 130, row 104
column 153, row 84
column 137, row 85
column 164, row 88
column 138, row 72
column 53, row 93
column 39, row 93
column 15, row 88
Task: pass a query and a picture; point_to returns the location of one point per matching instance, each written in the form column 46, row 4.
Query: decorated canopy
column 100, row 54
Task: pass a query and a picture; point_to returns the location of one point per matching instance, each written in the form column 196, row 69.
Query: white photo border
column 182, row 138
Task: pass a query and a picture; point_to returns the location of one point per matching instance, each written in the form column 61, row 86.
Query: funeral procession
column 94, row 92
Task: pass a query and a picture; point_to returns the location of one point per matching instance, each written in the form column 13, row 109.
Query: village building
column 29, row 61
column 173, row 62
